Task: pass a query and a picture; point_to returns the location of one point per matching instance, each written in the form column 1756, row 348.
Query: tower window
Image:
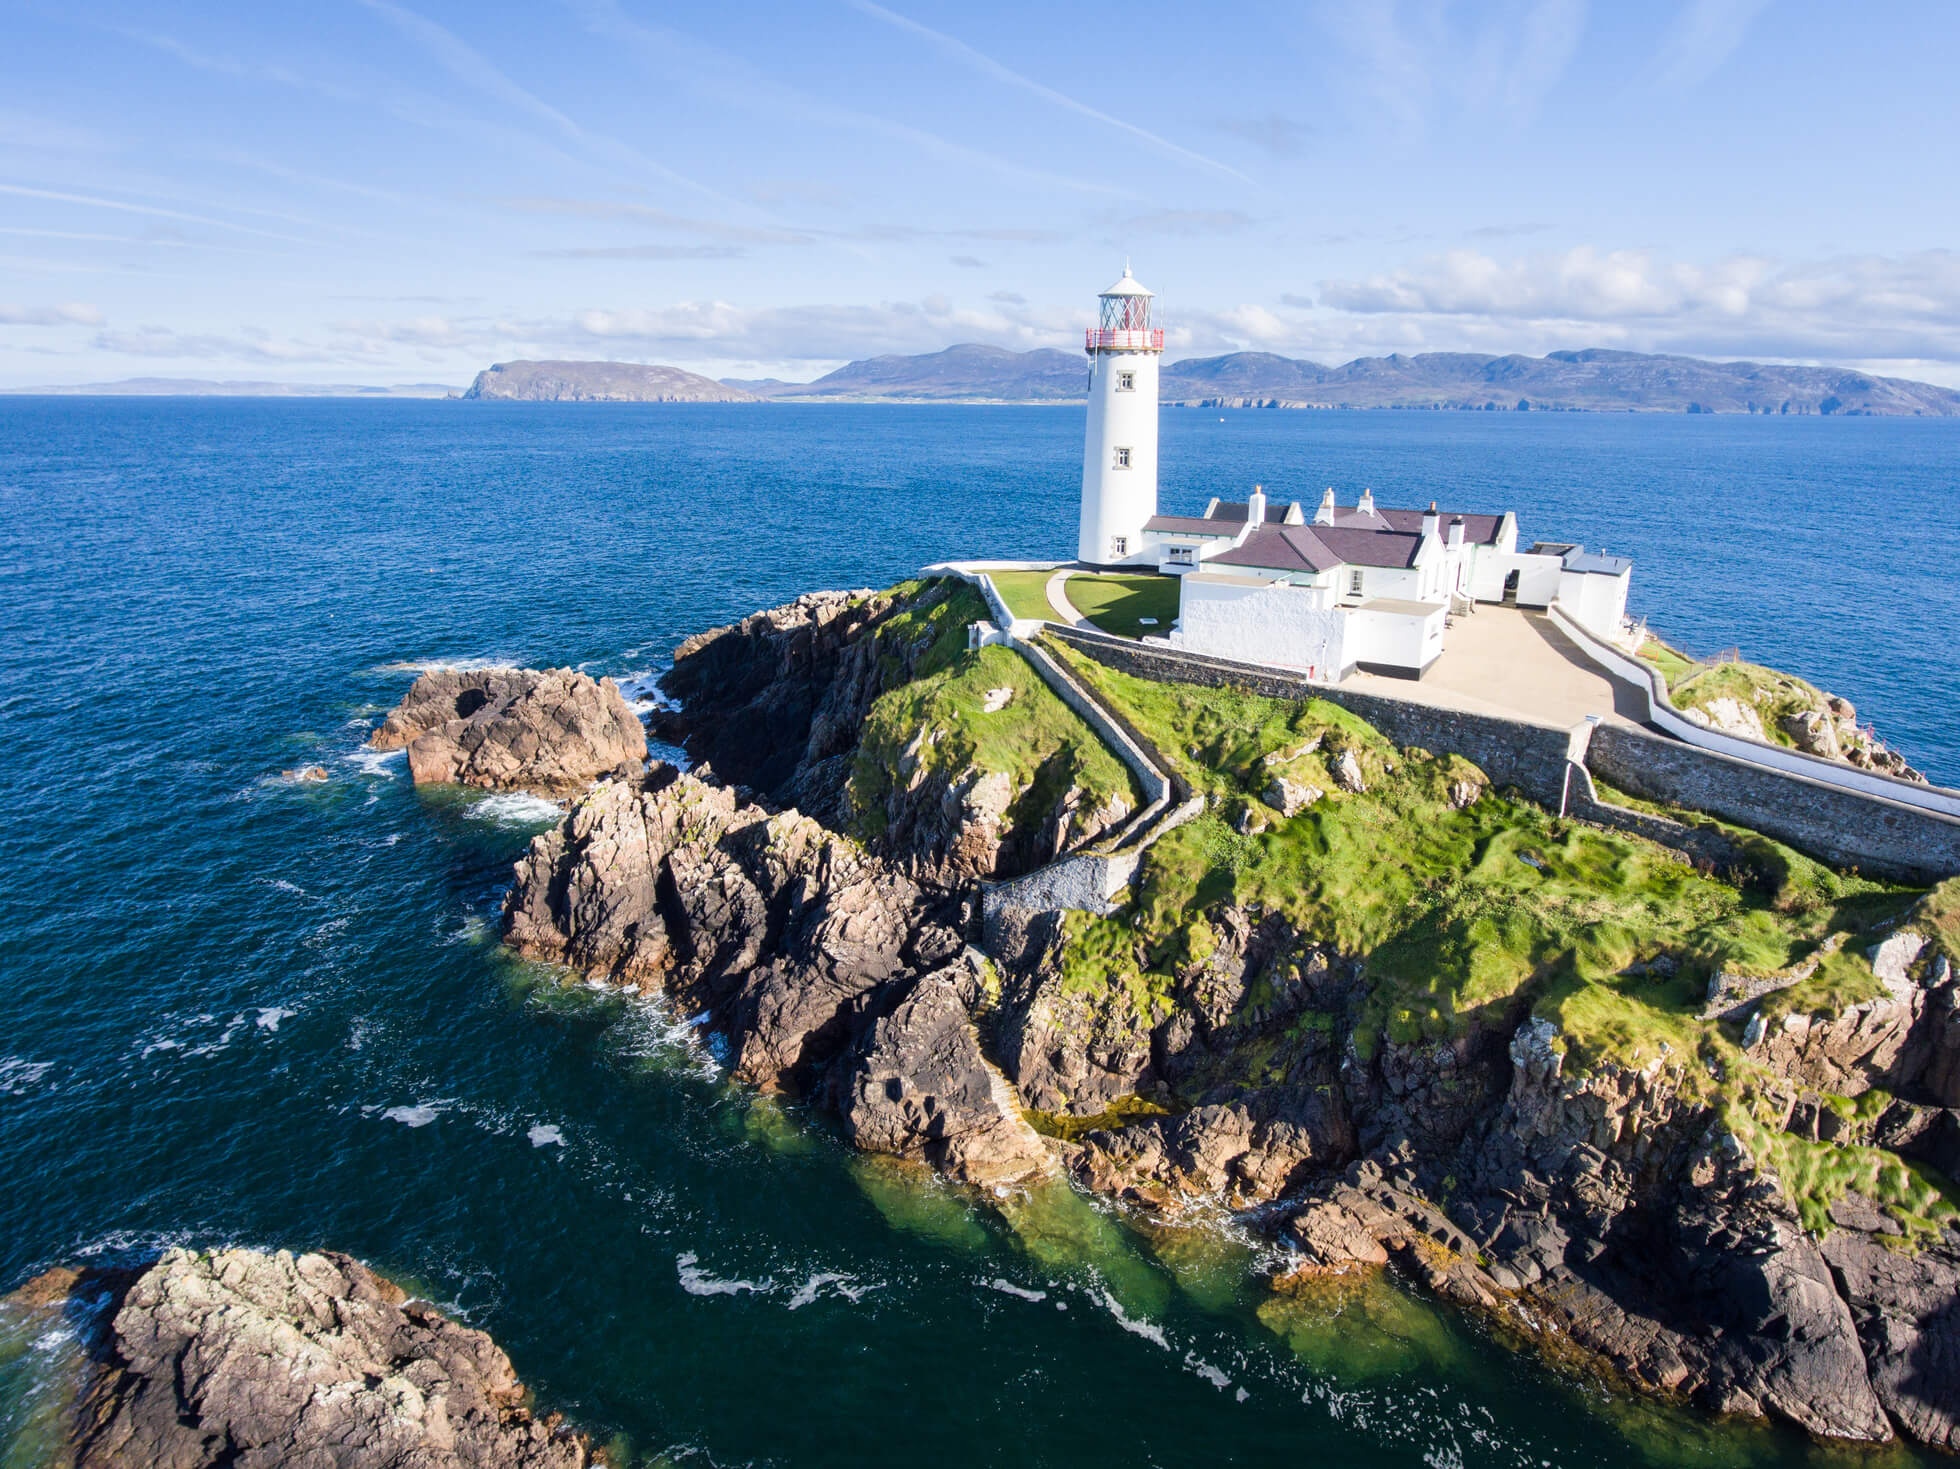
column 1354, row 583
column 1123, row 458
column 1119, row 546
column 1126, row 382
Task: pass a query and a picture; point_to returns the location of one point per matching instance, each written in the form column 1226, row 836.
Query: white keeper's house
column 1329, row 589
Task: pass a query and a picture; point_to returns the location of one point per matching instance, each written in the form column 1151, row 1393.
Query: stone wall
column 1842, row 827
column 1511, row 752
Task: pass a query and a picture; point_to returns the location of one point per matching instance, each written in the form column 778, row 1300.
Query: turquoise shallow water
column 239, row 1009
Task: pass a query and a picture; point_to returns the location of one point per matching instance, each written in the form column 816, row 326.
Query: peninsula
column 1354, row 872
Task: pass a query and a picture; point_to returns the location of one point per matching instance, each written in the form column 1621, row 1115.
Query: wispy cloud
column 69, row 313
column 979, row 61
column 476, row 71
column 1845, row 307
column 728, row 80
column 1274, row 132
column 155, row 211
column 1703, row 35
column 642, row 252
column 713, row 229
column 1413, row 59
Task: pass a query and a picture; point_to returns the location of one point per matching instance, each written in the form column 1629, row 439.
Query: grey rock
column 917, row 1086
column 504, row 729
column 237, row 1357
column 1290, row 798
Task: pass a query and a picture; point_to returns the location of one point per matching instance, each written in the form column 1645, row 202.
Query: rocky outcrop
column 502, row 729
column 237, row 1357
column 917, row 1086
column 828, row 972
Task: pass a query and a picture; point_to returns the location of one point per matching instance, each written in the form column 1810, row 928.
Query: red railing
column 1122, row 341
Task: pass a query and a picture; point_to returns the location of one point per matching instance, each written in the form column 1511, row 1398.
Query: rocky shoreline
column 1624, row 1212
column 254, row 1360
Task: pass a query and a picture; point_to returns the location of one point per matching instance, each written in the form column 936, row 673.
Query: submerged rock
column 254, row 1360
column 504, row 729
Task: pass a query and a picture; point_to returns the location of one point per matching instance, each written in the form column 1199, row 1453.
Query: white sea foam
column 377, row 763
column 430, row 665
column 650, row 1031
column 270, row 1017
column 1240, row 1395
column 517, row 808
column 19, row 1076
column 1148, row 1330
column 544, row 1136
column 1009, row 1288
column 697, row 1282
column 1209, row 1373
column 814, row 1287
column 420, row 1115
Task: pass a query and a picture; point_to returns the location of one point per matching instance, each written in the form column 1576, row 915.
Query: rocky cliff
column 1690, row 1126
column 552, row 733
column 600, row 382
column 236, row 1357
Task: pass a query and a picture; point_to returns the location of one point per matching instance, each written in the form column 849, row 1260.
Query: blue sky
column 406, row 190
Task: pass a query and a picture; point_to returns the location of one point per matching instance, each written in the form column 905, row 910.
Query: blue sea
column 240, row 1008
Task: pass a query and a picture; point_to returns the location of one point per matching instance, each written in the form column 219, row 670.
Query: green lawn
column 1025, row 592
column 1117, row 603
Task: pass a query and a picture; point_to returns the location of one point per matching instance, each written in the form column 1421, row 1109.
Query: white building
column 1119, row 452
column 1356, row 587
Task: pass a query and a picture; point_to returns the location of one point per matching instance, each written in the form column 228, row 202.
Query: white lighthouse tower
column 1119, row 454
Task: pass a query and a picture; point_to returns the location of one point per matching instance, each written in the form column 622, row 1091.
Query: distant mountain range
column 193, row 387
column 600, row 382
column 1594, row 380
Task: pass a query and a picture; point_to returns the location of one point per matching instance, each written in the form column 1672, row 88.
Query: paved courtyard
column 1499, row 660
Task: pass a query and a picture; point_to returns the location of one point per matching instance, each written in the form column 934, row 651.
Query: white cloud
column 985, row 65
column 71, row 313
column 1704, row 34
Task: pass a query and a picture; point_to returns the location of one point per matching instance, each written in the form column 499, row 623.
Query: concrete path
column 1499, row 660
column 1058, row 601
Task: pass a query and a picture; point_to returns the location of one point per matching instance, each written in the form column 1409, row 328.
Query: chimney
column 1432, row 523
column 1255, row 506
column 1456, row 534
column 1367, row 505
column 1325, row 514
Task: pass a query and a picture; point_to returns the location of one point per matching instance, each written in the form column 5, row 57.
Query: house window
column 1354, row 583
column 1122, row 458
column 1119, row 546
column 1126, row 382
column 1183, row 556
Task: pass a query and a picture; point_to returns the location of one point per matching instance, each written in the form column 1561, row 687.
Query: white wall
column 1116, row 502
column 1395, row 639
column 1538, row 577
column 1261, row 623
column 1595, row 600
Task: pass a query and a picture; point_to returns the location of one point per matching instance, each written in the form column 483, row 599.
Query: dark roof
column 1189, row 525
column 1235, row 513
column 1320, row 548
column 1477, row 529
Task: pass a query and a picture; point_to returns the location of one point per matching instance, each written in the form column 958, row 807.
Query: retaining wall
column 1846, row 828
column 1648, row 682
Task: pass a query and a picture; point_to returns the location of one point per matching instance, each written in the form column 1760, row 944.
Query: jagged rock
column 775, row 926
column 1464, row 794
column 1907, row 1309
column 1346, row 771
column 917, row 1086
column 1290, row 798
column 1815, row 733
column 1892, row 962
column 256, row 1360
column 306, row 773
column 1287, row 757
column 505, row 729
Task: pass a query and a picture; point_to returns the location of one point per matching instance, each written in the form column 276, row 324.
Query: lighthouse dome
column 1128, row 286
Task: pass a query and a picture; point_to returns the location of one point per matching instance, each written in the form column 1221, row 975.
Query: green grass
column 1025, row 593
column 1672, row 663
column 1463, row 915
column 937, row 722
column 1816, row 1175
column 1117, row 603
column 1939, row 916
column 1773, row 695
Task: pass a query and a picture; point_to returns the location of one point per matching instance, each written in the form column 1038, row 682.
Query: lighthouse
column 1119, row 452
